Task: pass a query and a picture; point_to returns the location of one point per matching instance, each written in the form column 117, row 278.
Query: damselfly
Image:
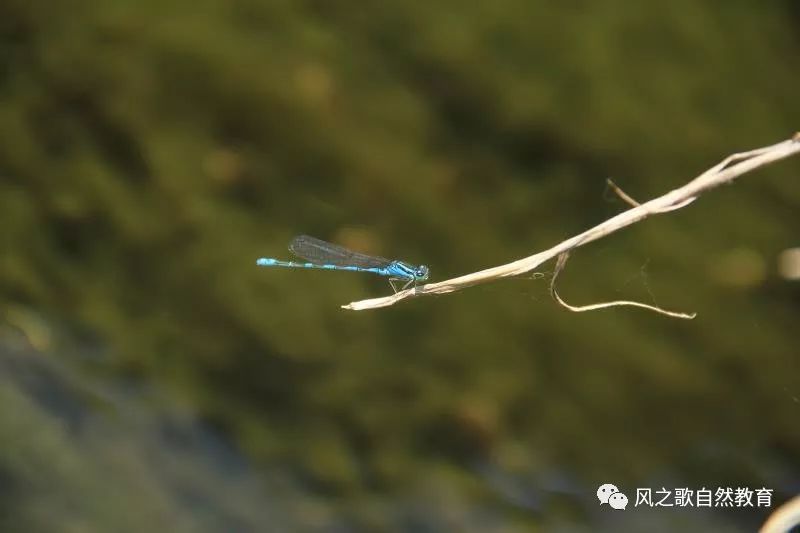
column 328, row 256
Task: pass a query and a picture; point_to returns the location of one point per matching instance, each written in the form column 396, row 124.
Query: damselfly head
column 421, row 273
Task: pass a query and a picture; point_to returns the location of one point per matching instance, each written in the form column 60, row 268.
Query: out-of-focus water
column 87, row 452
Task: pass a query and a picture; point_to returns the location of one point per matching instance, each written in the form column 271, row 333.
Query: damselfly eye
column 421, row 273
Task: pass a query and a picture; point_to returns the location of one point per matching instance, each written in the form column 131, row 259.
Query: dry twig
column 784, row 518
column 724, row 172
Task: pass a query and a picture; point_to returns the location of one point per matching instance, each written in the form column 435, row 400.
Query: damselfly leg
column 395, row 281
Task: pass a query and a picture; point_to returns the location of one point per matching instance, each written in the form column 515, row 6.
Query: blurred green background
column 153, row 378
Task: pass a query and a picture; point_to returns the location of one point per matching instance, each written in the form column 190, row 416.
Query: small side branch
column 619, row 192
column 562, row 261
column 723, row 172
